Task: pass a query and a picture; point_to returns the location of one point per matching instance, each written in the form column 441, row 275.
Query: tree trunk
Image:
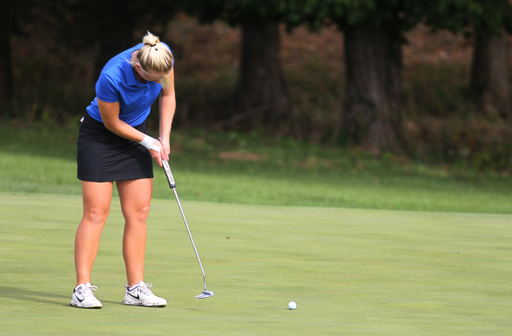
column 489, row 78
column 373, row 59
column 6, row 75
column 261, row 93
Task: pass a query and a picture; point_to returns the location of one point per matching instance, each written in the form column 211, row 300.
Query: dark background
column 427, row 80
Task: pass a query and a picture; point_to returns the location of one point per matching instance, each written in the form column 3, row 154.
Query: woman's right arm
column 110, row 115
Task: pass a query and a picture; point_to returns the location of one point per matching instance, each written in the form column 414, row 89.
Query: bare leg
column 96, row 203
column 135, row 198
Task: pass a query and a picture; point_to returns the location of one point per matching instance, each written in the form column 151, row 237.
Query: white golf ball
column 292, row 305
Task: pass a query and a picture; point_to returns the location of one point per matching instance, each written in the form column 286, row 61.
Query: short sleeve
column 106, row 90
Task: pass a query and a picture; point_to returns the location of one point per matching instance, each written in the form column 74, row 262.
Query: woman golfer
column 113, row 146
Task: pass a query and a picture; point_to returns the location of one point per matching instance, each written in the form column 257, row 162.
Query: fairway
column 351, row 272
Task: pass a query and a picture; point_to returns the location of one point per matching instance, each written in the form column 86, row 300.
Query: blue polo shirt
column 117, row 83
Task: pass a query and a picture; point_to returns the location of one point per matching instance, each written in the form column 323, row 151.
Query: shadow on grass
column 33, row 296
column 40, row 297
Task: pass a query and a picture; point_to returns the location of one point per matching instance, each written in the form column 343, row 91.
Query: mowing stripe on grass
column 351, row 272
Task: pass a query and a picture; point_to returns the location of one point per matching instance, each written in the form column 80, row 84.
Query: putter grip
column 168, row 173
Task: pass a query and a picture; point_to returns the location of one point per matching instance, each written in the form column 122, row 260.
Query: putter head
column 205, row 294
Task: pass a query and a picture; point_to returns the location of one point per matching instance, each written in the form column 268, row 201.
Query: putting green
column 351, row 272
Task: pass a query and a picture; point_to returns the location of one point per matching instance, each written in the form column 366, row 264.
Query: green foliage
column 477, row 143
column 51, row 80
column 441, row 124
column 205, row 101
column 454, row 15
column 460, row 16
column 382, row 13
column 439, row 90
column 234, row 12
column 89, row 21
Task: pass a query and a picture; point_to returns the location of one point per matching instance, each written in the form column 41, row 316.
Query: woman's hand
column 156, row 154
column 166, row 148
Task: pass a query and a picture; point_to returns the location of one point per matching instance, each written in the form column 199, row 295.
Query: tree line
column 374, row 35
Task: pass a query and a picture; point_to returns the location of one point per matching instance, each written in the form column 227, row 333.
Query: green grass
column 231, row 168
column 311, row 224
column 351, row 272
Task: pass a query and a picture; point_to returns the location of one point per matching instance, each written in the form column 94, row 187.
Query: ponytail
column 155, row 56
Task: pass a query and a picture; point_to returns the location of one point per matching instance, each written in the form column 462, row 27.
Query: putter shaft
column 172, row 185
column 190, row 236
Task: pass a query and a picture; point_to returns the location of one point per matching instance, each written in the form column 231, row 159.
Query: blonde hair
column 155, row 56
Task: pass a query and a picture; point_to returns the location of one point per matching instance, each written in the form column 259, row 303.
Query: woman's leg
column 96, row 203
column 135, row 196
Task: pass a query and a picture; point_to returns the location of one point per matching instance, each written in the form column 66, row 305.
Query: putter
column 167, row 169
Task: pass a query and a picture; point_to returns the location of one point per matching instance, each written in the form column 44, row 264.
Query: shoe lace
column 88, row 290
column 146, row 289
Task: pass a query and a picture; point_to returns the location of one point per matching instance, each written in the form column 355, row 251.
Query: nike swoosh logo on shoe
column 133, row 296
column 78, row 298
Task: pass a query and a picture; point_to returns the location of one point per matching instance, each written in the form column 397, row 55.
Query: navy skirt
column 103, row 156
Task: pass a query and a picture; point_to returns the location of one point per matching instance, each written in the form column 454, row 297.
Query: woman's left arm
column 167, row 109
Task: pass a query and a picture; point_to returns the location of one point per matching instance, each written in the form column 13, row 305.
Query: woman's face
column 151, row 76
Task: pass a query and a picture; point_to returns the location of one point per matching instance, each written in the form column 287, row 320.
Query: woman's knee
column 143, row 214
column 96, row 215
column 138, row 215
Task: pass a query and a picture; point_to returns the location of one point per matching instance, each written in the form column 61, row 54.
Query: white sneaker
column 83, row 297
column 141, row 295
